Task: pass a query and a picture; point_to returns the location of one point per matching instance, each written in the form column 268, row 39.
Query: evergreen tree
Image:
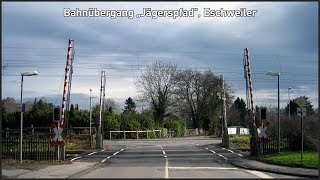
column 130, row 106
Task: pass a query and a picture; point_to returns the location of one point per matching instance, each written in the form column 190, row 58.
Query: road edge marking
column 75, row 158
column 91, row 153
column 105, row 159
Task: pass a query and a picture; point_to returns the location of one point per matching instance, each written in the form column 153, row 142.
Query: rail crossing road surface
column 197, row 157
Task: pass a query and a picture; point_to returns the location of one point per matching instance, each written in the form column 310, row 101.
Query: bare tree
column 199, row 94
column 156, row 86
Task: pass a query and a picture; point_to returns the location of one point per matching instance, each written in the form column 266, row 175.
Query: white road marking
column 212, row 151
column 223, row 148
column 206, row 148
column 230, row 151
column 102, row 149
column 197, row 144
column 166, row 173
column 165, row 156
column 240, row 155
column 224, row 168
column 75, row 158
column 163, row 152
column 223, row 156
column 105, row 159
column 160, row 146
column 116, row 153
column 121, row 149
column 91, row 153
column 259, row 174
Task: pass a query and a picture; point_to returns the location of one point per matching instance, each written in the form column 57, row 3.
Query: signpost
column 301, row 112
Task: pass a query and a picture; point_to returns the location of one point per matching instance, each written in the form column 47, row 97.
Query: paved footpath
column 56, row 171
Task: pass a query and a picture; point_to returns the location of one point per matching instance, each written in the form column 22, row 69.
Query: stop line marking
column 222, row 168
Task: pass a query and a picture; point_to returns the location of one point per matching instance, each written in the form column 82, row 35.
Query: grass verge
column 293, row 159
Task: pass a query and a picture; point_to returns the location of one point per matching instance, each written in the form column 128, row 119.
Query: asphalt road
column 198, row 157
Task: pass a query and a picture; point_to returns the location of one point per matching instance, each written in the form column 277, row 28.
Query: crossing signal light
column 263, row 113
column 56, row 114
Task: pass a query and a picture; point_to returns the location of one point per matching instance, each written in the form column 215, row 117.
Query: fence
column 136, row 132
column 32, row 149
column 272, row 145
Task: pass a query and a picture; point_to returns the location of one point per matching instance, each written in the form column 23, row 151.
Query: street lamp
column 277, row 74
column 30, row 73
column 289, row 101
column 90, row 114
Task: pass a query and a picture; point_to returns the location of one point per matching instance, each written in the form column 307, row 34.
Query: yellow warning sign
column 300, row 102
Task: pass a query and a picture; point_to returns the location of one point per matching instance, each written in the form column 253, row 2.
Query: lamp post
column 30, row 73
column 289, row 101
column 277, row 74
column 90, row 114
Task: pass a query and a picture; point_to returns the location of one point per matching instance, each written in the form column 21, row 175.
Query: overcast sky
column 281, row 37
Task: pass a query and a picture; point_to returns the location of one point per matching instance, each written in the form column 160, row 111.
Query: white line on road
column 116, row 153
column 223, row 156
column 240, row 155
column 105, row 159
column 160, row 146
column 166, row 173
column 163, row 152
column 212, row 151
column 230, row 151
column 206, row 148
column 121, row 149
column 91, row 153
column 165, row 156
column 259, row 174
column 75, row 158
column 197, row 144
column 102, row 149
column 223, row 148
column 224, row 168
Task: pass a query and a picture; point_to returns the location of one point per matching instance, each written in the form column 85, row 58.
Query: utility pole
column 99, row 138
column 225, row 138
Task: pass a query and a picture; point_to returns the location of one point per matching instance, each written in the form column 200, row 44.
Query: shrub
column 146, row 122
column 111, row 123
column 176, row 125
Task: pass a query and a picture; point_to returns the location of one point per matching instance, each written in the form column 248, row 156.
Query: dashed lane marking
column 212, row 151
column 115, row 153
column 240, row 155
column 230, row 151
column 163, row 152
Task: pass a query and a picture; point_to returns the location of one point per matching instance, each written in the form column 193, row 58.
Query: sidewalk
column 250, row 164
column 56, row 171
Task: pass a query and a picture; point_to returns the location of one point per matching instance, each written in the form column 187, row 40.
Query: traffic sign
column 301, row 112
column 57, row 140
column 300, row 102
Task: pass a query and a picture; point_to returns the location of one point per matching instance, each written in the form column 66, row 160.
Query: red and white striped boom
column 67, row 79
